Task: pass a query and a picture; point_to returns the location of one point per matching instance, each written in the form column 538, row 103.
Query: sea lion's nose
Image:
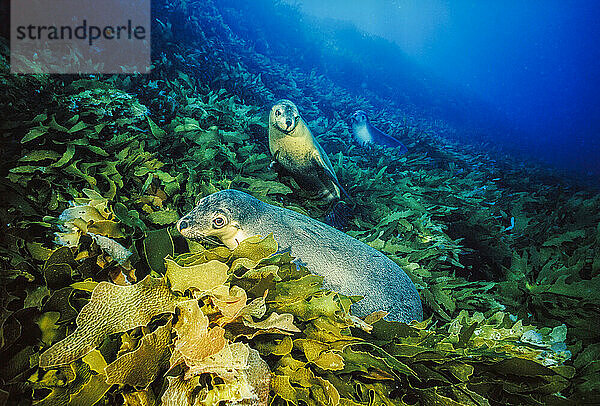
column 288, row 123
column 182, row 224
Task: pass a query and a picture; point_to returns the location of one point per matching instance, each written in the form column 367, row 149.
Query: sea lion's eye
column 219, row 221
column 277, row 113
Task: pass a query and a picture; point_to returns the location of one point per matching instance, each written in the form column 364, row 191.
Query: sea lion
column 348, row 265
column 364, row 133
column 292, row 145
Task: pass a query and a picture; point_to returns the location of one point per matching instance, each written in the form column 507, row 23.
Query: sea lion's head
column 224, row 215
column 359, row 117
column 284, row 116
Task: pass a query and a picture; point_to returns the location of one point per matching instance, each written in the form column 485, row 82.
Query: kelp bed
column 117, row 308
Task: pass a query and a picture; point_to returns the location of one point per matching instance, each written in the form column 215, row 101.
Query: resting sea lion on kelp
column 348, row 265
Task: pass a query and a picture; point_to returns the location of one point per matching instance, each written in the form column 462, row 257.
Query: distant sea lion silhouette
column 292, row 145
column 364, row 133
column 348, row 265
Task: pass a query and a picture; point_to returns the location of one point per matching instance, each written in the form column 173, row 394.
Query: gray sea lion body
column 348, row 265
column 363, row 133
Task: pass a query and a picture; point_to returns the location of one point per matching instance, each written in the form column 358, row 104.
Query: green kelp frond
column 106, row 102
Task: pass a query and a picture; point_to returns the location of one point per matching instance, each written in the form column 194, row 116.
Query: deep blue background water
column 532, row 68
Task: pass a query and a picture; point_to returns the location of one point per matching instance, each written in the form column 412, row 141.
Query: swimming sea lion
column 294, row 147
column 348, row 265
column 364, row 133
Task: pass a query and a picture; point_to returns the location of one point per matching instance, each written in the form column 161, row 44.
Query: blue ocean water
column 523, row 75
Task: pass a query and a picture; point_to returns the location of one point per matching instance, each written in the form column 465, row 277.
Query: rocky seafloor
column 505, row 255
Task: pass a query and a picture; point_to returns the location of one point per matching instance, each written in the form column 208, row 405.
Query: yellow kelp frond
column 226, row 363
column 141, row 366
column 304, row 298
column 245, row 378
column 202, row 277
column 94, row 389
column 237, row 390
column 81, row 383
column 289, row 293
column 63, row 384
column 249, row 386
column 275, row 323
column 180, row 392
column 112, row 309
column 255, row 248
column 229, row 301
column 318, row 305
column 195, row 341
column 318, row 353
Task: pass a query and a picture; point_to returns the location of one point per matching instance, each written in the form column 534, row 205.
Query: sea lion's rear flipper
column 382, row 138
column 322, row 160
column 338, row 216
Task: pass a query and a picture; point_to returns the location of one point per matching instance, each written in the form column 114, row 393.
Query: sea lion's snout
column 284, row 116
column 359, row 116
column 285, row 121
column 188, row 227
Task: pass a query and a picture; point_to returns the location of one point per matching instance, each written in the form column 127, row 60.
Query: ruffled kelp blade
column 111, row 309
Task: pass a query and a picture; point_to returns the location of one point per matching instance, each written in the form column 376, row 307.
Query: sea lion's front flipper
column 382, row 138
column 275, row 160
column 323, row 161
column 338, row 216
